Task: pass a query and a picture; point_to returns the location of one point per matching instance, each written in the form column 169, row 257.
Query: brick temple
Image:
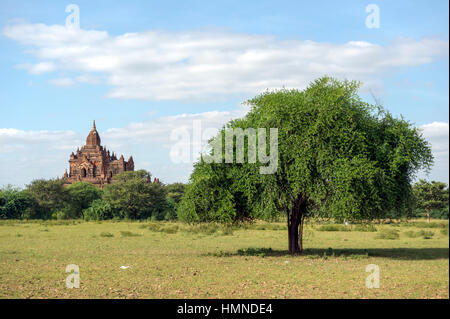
column 93, row 163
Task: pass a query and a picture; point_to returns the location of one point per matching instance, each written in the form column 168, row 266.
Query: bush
column 388, row 234
column 333, row 228
column 163, row 228
column 365, row 228
column 440, row 213
column 106, row 234
column 129, row 234
column 425, row 234
column 48, row 197
column 170, row 229
column 133, row 196
column 80, row 195
column 430, row 225
column 14, row 204
column 65, row 213
column 99, row 210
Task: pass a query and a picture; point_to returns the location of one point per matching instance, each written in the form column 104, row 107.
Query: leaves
column 351, row 160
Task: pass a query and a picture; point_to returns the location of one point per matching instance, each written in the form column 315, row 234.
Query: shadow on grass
column 351, row 253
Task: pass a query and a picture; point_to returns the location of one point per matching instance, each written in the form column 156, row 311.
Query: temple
column 93, row 163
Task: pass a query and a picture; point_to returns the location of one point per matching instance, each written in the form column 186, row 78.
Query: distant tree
column 169, row 211
column 14, row 203
column 431, row 195
column 133, row 196
column 80, row 195
column 98, row 210
column 141, row 174
column 337, row 157
column 48, row 197
column 175, row 191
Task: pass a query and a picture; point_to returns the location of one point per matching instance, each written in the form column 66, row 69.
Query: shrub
column 99, row 210
column 80, row 196
column 14, row 204
column 129, row 234
column 426, row 234
column 106, row 234
column 160, row 227
column 154, row 227
column 430, row 225
column 65, row 213
column 205, row 228
column 133, row 196
column 227, row 231
column 388, row 234
column 365, row 228
column 440, row 213
column 170, row 229
column 48, row 197
column 333, row 228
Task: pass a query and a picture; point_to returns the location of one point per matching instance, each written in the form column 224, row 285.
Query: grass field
column 174, row 260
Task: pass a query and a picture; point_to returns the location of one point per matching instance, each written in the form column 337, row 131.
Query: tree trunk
column 428, row 215
column 294, row 247
column 295, row 226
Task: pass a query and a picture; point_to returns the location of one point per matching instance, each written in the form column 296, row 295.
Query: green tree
column 337, row 157
column 48, row 197
column 14, row 203
column 133, row 195
column 99, row 210
column 175, row 191
column 80, row 195
column 430, row 195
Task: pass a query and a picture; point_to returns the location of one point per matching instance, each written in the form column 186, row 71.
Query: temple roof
column 93, row 137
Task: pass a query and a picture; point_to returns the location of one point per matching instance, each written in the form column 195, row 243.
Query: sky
column 143, row 70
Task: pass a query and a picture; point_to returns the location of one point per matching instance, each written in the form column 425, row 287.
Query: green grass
column 175, row 260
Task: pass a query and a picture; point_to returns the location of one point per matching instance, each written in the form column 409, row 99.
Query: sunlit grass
column 175, row 260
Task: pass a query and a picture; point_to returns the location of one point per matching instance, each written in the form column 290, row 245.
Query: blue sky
column 144, row 68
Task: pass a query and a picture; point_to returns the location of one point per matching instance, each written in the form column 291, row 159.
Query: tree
column 430, row 195
column 175, row 191
column 80, row 196
column 98, row 210
column 337, row 157
column 13, row 203
column 48, row 196
column 133, row 195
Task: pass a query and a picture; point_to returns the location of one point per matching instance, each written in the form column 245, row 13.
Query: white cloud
column 62, row 82
column 38, row 68
column 44, row 154
column 28, row 155
column 11, row 139
column 436, row 130
column 203, row 64
column 437, row 133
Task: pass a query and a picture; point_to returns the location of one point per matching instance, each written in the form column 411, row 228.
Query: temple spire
column 93, row 137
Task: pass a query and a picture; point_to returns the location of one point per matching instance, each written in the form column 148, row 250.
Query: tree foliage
column 98, row 210
column 14, row 203
column 337, row 157
column 48, row 197
column 132, row 195
column 431, row 196
column 80, row 195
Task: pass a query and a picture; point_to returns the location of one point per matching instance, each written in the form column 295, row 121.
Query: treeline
column 131, row 196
